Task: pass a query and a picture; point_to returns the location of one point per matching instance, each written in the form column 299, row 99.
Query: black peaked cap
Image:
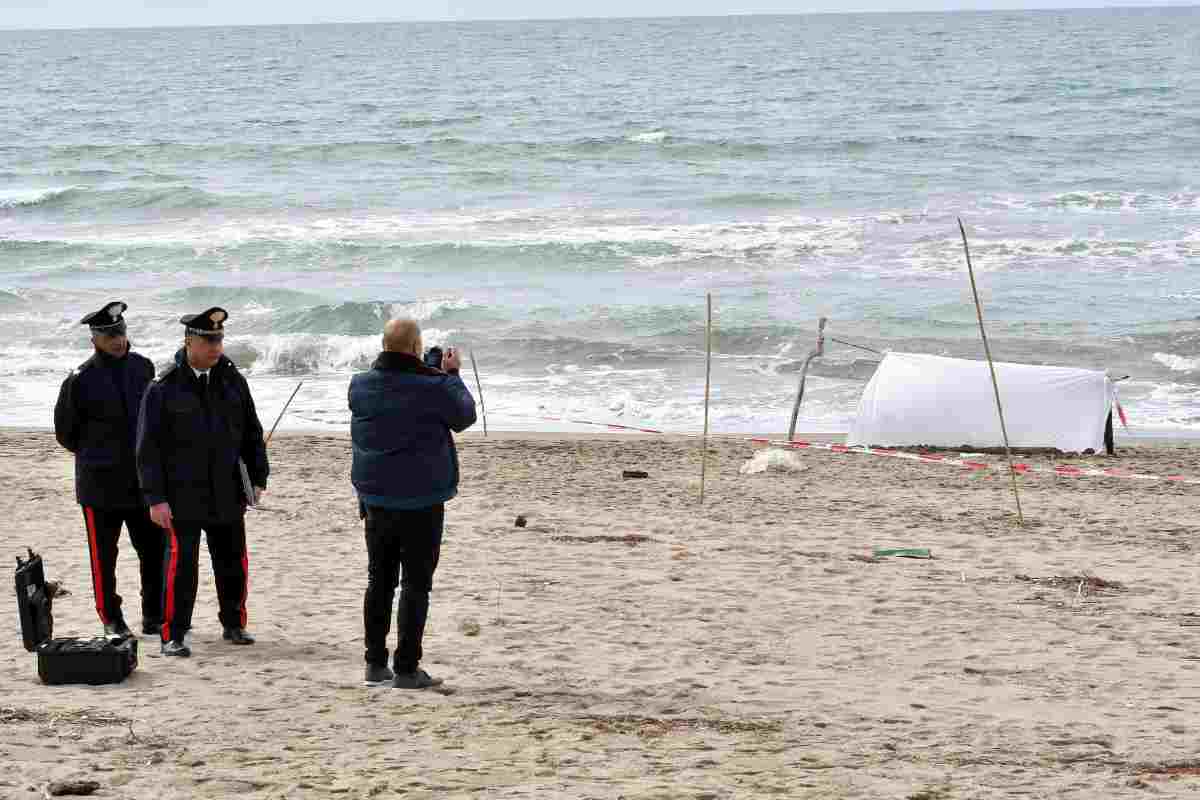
column 107, row 317
column 210, row 321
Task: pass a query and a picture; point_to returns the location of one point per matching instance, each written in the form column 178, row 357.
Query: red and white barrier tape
column 931, row 458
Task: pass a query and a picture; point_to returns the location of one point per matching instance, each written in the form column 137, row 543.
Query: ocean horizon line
column 912, row 12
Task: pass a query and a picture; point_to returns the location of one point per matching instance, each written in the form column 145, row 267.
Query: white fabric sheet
column 948, row 402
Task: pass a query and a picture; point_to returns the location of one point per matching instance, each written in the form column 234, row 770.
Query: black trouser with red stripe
column 103, row 532
column 230, row 564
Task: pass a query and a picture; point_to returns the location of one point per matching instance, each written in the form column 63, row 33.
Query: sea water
column 559, row 197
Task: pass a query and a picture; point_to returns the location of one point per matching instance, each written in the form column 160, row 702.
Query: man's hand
column 452, row 360
column 258, row 493
column 160, row 515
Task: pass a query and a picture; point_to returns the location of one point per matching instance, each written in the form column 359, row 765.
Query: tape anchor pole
column 991, row 368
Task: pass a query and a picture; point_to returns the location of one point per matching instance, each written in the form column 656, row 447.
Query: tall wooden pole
column 282, row 412
column 991, row 367
column 707, row 384
column 818, row 351
column 479, row 386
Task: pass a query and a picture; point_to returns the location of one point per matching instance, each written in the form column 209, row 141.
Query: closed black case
column 92, row 661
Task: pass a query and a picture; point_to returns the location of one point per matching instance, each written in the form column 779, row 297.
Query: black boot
column 237, row 636
column 377, row 674
column 176, row 648
column 417, row 679
column 117, row 629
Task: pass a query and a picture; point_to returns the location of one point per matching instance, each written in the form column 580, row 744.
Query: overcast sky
column 151, row 13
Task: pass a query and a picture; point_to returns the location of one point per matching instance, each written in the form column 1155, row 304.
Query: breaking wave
column 32, row 198
column 1177, row 363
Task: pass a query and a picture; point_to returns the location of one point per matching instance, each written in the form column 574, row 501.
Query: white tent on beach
column 949, row 402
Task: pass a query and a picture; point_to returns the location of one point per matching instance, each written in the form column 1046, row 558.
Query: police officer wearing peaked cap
column 197, row 421
column 96, row 419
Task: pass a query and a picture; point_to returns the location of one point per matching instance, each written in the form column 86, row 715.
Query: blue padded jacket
column 401, row 416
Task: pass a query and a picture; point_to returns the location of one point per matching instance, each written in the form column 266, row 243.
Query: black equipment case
column 66, row 660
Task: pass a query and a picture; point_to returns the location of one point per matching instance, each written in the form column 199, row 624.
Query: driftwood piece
column 73, row 788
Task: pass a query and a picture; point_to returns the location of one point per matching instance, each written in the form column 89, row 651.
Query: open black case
column 65, row 660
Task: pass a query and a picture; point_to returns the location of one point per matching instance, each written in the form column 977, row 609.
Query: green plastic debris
column 903, row 552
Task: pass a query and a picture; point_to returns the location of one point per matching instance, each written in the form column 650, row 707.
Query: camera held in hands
column 433, row 357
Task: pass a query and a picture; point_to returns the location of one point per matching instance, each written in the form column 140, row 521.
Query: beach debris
column 903, row 552
column 931, row 793
column 60, row 718
column 1081, row 585
column 773, row 460
column 74, row 788
column 654, row 727
column 469, row 627
column 1168, row 770
column 521, row 522
column 631, row 539
column 635, row 473
column 18, row 715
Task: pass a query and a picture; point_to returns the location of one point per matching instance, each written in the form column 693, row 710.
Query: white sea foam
column 781, row 237
column 16, row 198
column 649, row 137
column 1177, row 363
column 256, row 309
column 1095, row 253
column 423, row 310
column 1089, row 200
column 304, row 354
column 812, row 241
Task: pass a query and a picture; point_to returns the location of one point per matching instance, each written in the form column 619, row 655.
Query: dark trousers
column 230, row 565
column 400, row 543
column 103, row 531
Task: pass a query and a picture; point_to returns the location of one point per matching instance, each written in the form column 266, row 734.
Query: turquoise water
column 558, row 197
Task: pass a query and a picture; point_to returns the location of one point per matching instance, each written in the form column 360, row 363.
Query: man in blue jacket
column 405, row 468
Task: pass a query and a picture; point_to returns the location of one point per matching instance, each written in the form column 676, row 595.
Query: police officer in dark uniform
column 197, row 421
column 96, row 419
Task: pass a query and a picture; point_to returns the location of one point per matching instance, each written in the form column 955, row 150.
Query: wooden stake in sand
column 247, row 486
column 991, row 367
column 282, row 412
column 479, row 386
column 707, row 383
column 819, row 351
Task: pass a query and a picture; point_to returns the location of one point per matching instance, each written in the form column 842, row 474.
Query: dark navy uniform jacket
column 189, row 443
column 96, row 419
column 402, row 413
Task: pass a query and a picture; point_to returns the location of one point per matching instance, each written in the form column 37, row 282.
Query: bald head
column 402, row 336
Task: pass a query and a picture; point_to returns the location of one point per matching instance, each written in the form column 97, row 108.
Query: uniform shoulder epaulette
column 233, row 370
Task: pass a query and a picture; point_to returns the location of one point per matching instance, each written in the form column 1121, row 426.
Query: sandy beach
column 629, row 643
